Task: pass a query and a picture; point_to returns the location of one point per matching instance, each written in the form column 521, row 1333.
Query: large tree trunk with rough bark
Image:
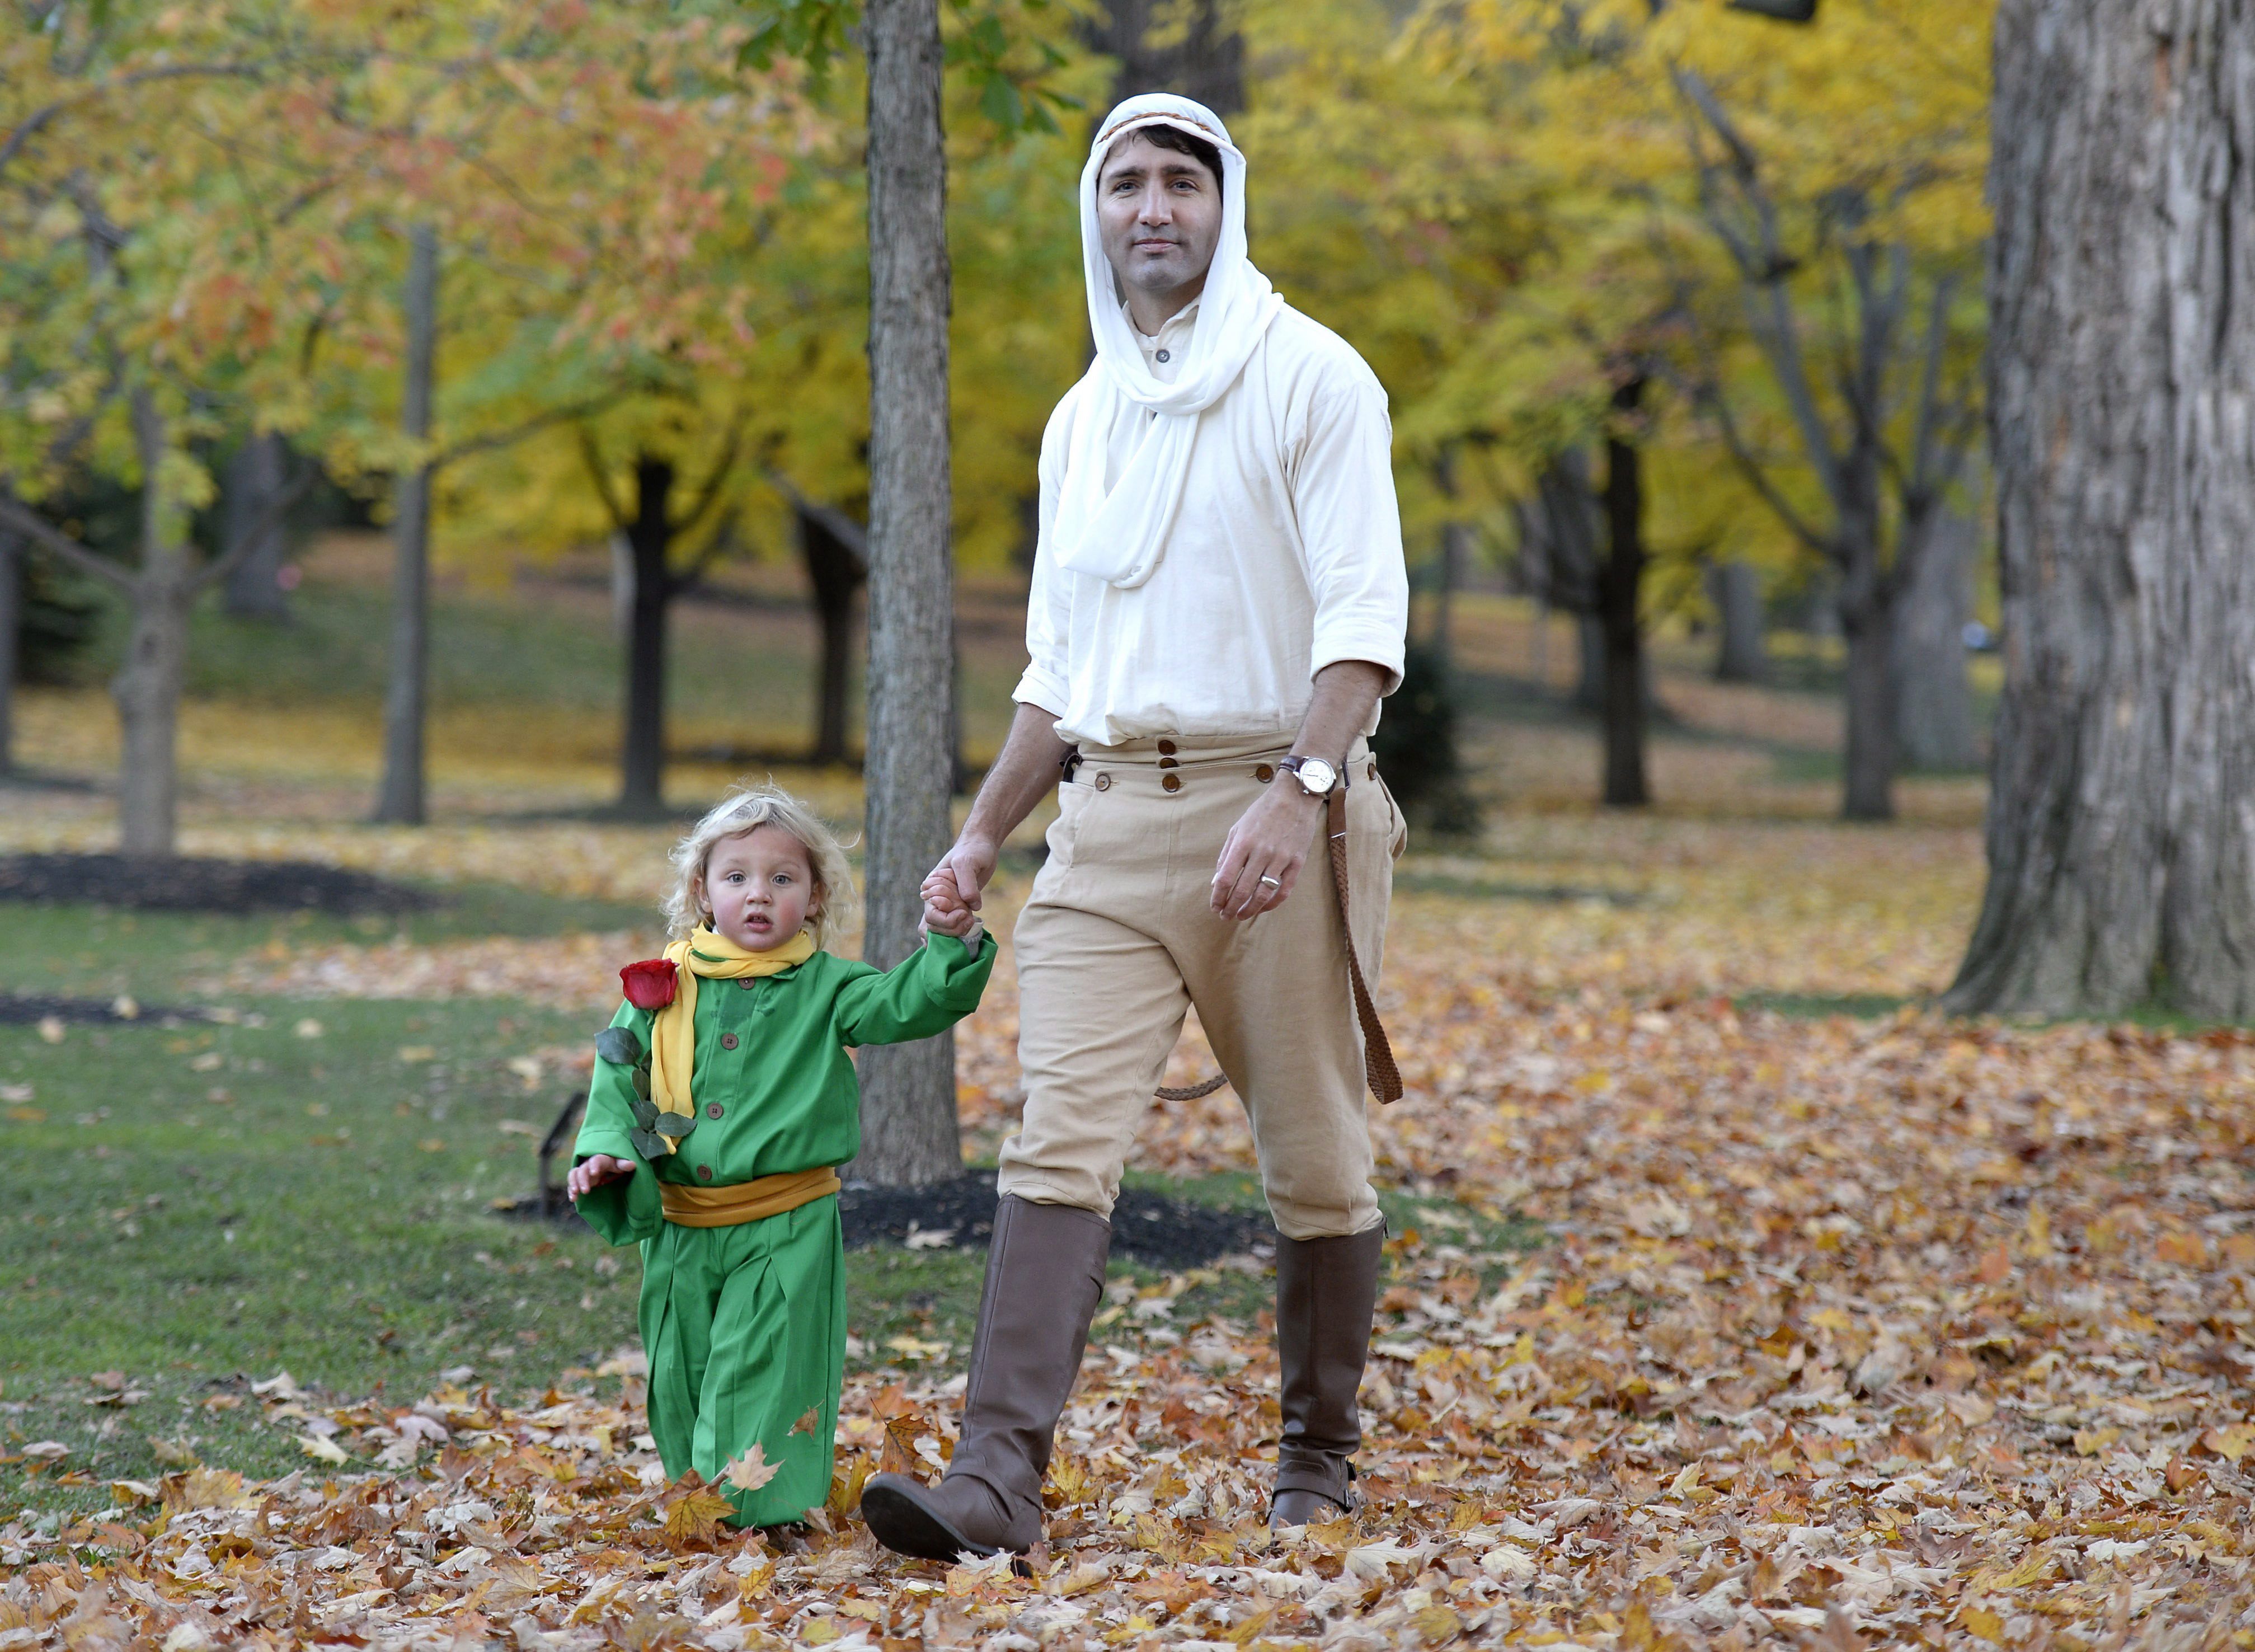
column 400, row 796
column 1934, row 700
column 2122, row 362
column 649, row 541
column 147, row 687
column 908, row 1091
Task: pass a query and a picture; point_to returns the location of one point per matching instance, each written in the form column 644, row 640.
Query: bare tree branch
column 601, row 479
column 1769, row 308
column 715, row 480
column 56, row 542
column 840, row 527
column 39, row 120
column 511, row 435
column 1759, row 479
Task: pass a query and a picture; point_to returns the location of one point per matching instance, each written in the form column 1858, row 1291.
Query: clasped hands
column 1260, row 863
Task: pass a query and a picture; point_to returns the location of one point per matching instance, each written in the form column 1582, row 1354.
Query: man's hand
column 1261, row 857
column 958, row 884
column 597, row 1169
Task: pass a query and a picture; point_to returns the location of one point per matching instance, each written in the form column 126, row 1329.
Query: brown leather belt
column 752, row 1201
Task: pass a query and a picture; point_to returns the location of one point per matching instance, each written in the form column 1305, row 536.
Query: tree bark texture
column 1934, row 699
column 1743, row 655
column 1620, row 586
column 256, row 474
column 12, row 571
column 836, row 576
column 400, row 796
column 649, row 541
column 2121, row 833
column 909, row 1132
column 147, row 687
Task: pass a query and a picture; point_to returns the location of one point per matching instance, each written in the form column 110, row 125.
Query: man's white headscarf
column 1118, row 535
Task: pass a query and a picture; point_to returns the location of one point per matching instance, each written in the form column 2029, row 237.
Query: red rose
column 650, row 984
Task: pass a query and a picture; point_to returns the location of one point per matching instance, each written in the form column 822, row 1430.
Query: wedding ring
column 1273, row 883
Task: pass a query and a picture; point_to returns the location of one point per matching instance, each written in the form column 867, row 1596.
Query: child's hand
column 598, row 1169
column 950, row 917
column 941, row 894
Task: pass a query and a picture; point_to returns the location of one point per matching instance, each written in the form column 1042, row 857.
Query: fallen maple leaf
column 898, row 1455
column 752, row 1470
column 2232, row 1442
column 696, row 1515
column 811, row 1424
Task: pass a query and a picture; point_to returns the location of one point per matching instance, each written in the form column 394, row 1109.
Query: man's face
column 1159, row 213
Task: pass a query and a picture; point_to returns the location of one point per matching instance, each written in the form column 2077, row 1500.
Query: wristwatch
column 1316, row 776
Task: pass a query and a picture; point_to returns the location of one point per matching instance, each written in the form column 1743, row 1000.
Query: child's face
column 759, row 888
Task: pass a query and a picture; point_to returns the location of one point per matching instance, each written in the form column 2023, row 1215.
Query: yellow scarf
column 673, row 1030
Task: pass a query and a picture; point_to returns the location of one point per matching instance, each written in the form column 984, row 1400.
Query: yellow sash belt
column 752, row 1201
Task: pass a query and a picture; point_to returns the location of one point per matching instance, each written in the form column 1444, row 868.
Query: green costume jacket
column 745, row 1325
column 775, row 1090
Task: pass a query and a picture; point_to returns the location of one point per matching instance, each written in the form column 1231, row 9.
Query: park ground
column 1736, row 1297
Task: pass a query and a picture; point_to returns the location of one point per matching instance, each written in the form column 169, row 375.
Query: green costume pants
column 745, row 1328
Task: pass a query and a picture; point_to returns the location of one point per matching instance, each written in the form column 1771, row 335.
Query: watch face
column 1317, row 776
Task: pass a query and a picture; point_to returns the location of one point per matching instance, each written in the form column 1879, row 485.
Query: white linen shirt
column 1285, row 557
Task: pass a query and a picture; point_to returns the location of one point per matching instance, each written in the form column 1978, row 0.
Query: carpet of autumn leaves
column 1897, row 1331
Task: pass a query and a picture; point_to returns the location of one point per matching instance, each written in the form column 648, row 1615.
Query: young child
column 721, row 1104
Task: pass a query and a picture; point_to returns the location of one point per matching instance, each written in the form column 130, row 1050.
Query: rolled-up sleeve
column 1049, row 611
column 1350, row 527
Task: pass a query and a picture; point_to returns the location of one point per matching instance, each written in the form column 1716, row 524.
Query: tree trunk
column 1934, row 700
column 836, row 576
column 257, row 472
column 908, row 1091
column 12, row 570
column 2121, row 844
column 650, row 537
column 1619, row 591
column 1735, row 589
column 400, row 796
column 1867, row 596
column 1204, row 57
column 147, row 687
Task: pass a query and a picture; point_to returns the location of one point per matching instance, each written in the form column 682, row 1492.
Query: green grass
column 200, row 1207
column 1818, row 1006
column 752, row 674
column 82, row 949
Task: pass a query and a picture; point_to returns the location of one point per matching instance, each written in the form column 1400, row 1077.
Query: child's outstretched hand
column 599, row 1168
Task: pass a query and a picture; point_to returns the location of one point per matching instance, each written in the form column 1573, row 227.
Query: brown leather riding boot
column 1045, row 1277
column 1326, row 1292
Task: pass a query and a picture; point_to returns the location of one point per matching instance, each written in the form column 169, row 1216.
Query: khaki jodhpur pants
column 1119, row 941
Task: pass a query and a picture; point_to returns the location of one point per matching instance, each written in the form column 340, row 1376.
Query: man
column 1219, row 603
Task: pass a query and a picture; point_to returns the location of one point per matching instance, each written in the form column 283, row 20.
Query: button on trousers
column 1119, row 941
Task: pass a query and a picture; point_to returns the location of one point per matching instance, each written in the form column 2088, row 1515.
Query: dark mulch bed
column 27, row 1011
column 1149, row 1228
column 1158, row 1231
column 187, row 885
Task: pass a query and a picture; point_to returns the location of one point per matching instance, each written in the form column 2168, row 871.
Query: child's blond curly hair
column 745, row 809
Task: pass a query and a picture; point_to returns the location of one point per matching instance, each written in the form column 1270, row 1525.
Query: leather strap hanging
column 1377, row 1049
column 1378, row 1067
